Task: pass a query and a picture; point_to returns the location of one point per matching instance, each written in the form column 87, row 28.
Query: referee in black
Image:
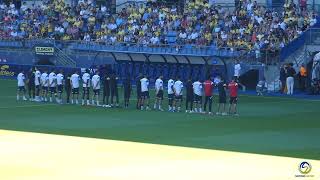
column 106, row 90
column 189, row 96
column 138, row 85
column 127, row 91
column 67, row 87
column 31, row 84
column 114, row 89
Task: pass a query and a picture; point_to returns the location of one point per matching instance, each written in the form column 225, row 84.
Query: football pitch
column 276, row 126
column 266, row 125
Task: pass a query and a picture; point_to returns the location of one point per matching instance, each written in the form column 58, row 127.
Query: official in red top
column 233, row 89
column 208, row 92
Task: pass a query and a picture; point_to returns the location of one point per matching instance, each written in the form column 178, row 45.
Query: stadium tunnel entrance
column 153, row 65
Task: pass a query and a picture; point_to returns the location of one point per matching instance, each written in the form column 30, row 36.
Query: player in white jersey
column 74, row 80
column 86, row 81
column 60, row 82
column 170, row 93
column 145, row 93
column 178, row 90
column 37, row 84
column 44, row 85
column 21, row 86
column 159, row 93
column 197, row 89
column 96, row 88
column 53, row 86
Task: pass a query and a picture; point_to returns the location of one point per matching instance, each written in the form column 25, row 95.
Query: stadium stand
column 250, row 32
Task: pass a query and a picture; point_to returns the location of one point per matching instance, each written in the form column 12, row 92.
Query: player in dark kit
column 233, row 88
column 31, row 84
column 106, row 90
column 189, row 96
column 138, row 84
column 222, row 87
column 127, row 91
column 114, row 89
column 67, row 86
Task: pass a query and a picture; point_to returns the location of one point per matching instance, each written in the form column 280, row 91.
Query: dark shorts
column 222, row 99
column 233, row 100
column 45, row 88
column 189, row 98
column 21, row 88
column 178, row 97
column 60, row 88
column 138, row 94
column 75, row 90
column 96, row 91
column 127, row 94
column 37, row 86
column 145, row 95
column 86, row 90
column 53, row 90
column 197, row 98
column 170, row 96
column 160, row 94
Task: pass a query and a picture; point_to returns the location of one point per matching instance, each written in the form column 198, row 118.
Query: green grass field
column 266, row 125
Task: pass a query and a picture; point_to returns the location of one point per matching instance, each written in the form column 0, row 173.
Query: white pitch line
column 26, row 106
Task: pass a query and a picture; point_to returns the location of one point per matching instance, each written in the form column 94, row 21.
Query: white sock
column 141, row 107
column 200, row 109
column 92, row 101
column 50, row 99
column 195, row 110
column 82, row 101
column 71, row 101
column 179, row 108
column 159, row 106
column 155, row 106
column 170, row 108
column 18, row 97
column 88, row 102
column 77, row 101
column 174, row 108
column 98, row 104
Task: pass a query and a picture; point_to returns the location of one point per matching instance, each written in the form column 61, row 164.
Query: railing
column 308, row 37
column 266, row 56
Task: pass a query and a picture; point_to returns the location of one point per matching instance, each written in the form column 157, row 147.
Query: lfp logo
column 305, row 167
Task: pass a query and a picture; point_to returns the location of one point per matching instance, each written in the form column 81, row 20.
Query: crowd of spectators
column 247, row 26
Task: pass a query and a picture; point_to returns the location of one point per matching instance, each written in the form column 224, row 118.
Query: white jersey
column 37, row 76
column 237, row 69
column 21, row 79
column 159, row 84
column 52, row 79
column 197, row 88
column 60, row 79
column 144, row 84
column 96, row 81
column 86, row 80
column 75, row 78
column 44, row 79
column 170, row 86
column 178, row 86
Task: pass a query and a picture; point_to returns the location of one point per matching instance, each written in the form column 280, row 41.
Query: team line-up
column 44, row 87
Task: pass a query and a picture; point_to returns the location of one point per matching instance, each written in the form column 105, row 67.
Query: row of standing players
column 44, row 87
